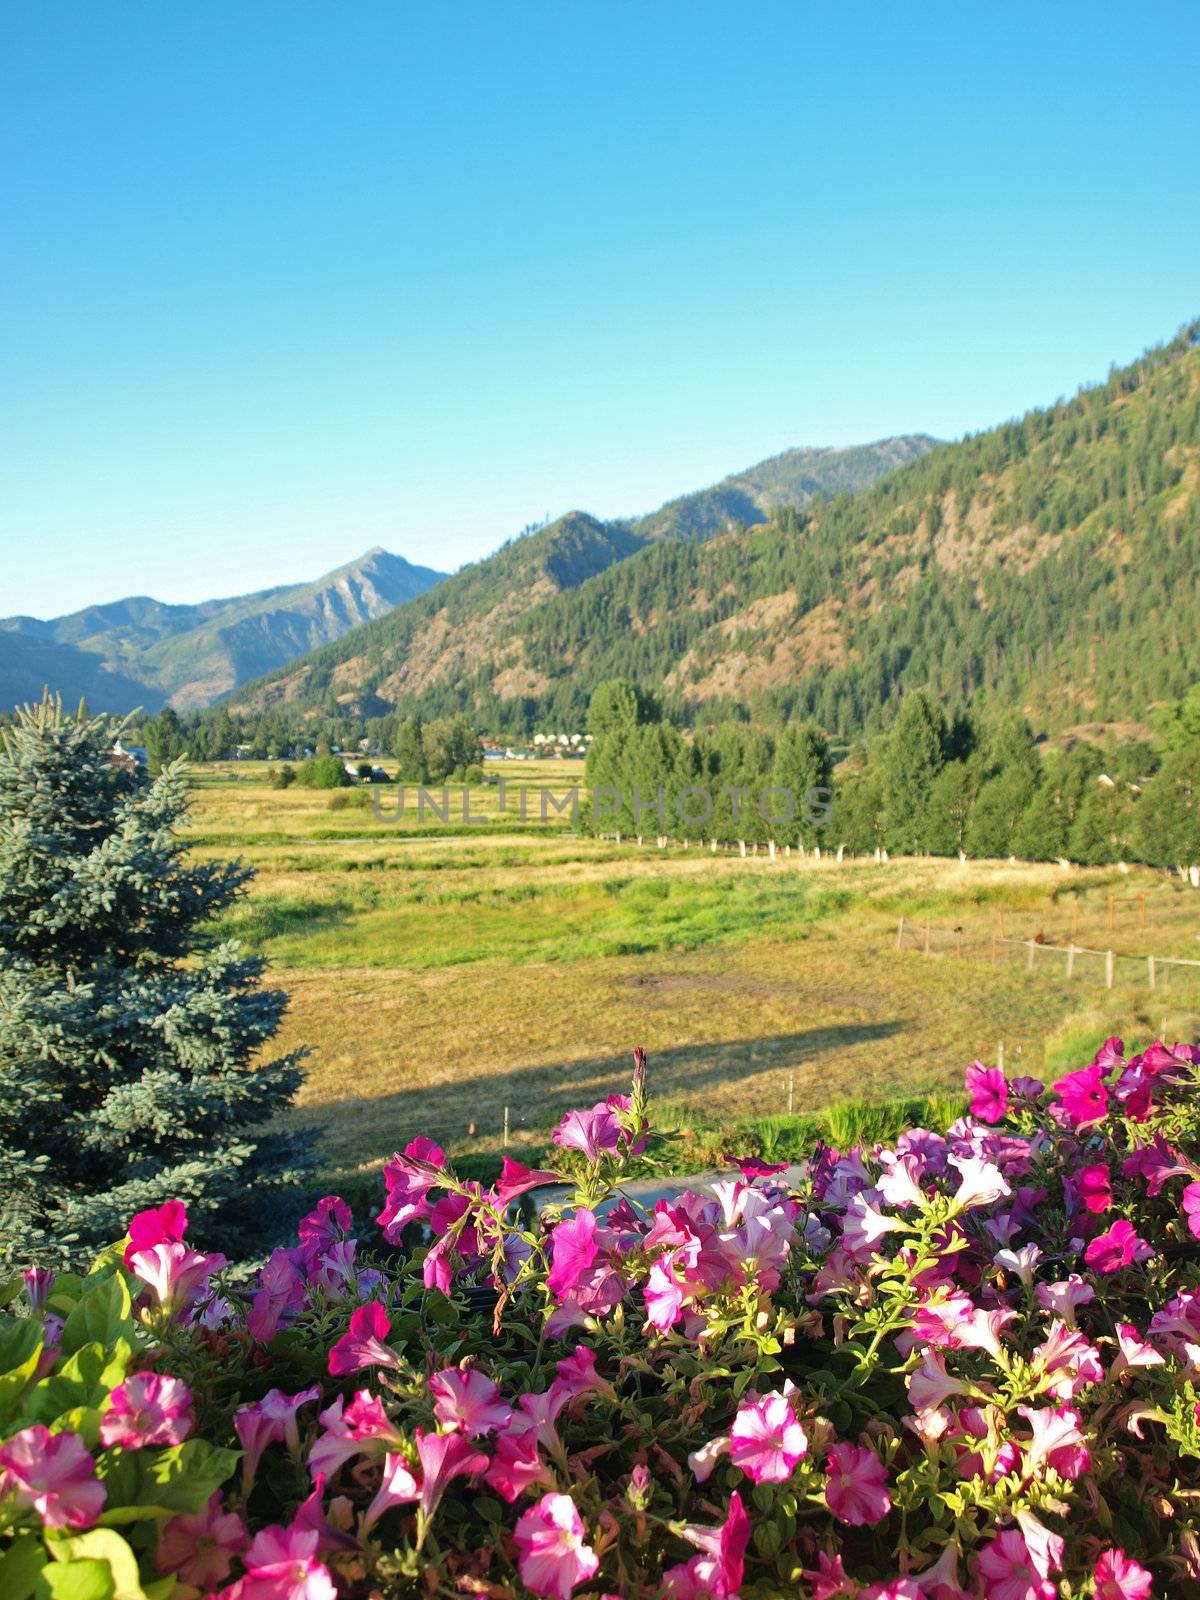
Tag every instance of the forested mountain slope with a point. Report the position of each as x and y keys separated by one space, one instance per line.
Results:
x=1051 y=563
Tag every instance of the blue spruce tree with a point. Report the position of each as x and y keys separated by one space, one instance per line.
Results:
x=128 y=1034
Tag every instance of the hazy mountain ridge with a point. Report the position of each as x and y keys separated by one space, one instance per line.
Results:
x=792 y=478
x=145 y=652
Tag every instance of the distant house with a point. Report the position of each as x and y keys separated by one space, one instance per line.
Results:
x=129 y=756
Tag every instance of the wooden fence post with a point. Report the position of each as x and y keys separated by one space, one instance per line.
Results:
x=900 y=934
x=1000 y=1055
x=1108 y=969
x=1151 y=974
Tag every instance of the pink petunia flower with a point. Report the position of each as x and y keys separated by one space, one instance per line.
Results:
x=362 y=1344
x=38 y=1283
x=576 y=1375
x=360 y=1428
x=147 y=1409
x=176 y=1274
x=981 y=1182
x=1119 y=1578
x=716 y=1573
x=516 y=1465
x=554 y=1556
x=1008 y=1571
x=1119 y=1247
x=444 y=1457
x=199 y=1547
x=766 y=1441
x=1062 y=1298
x=55 y=1474
x=929 y=1384
x=468 y=1402
x=1157 y=1163
x=988 y=1089
x=829 y=1578
x=856 y=1485
x=399 y=1486
x=1056 y=1442
x=269 y=1420
x=282 y=1564
x=1191 y=1208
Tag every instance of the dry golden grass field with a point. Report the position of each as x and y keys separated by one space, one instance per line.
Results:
x=439 y=975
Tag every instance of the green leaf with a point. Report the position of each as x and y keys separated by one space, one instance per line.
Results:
x=20 y=1347
x=100 y=1547
x=19 y=1567
x=76 y=1580
x=10 y=1288
x=101 y=1317
x=144 y=1484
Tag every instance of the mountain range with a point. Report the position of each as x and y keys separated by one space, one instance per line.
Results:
x=142 y=652
x=1051 y=563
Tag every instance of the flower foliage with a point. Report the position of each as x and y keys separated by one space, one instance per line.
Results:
x=964 y=1365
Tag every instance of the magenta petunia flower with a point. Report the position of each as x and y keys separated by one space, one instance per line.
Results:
x=766 y=1441
x=1157 y=1163
x=1191 y=1208
x=716 y=1573
x=1119 y=1578
x=199 y=1547
x=269 y=1420
x=467 y=1401
x=38 y=1283
x=325 y=1226
x=55 y=1474
x=165 y=1224
x=517 y=1179
x=1083 y=1096
x=409 y=1178
x=593 y=1132
x=362 y=1344
x=148 y=1409
x=574 y=1247
x=988 y=1089
x=856 y=1485
x=1093 y=1185
x=1119 y=1247
x=554 y=1556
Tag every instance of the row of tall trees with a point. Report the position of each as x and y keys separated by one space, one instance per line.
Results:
x=935 y=785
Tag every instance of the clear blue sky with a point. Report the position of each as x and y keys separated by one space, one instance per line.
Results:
x=281 y=281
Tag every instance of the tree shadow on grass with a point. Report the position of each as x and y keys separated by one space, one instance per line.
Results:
x=539 y=1095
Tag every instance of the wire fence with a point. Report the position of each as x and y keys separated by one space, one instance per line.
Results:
x=1071 y=960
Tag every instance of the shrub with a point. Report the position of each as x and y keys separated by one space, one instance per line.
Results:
x=323 y=772
x=284 y=778
x=959 y=1364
